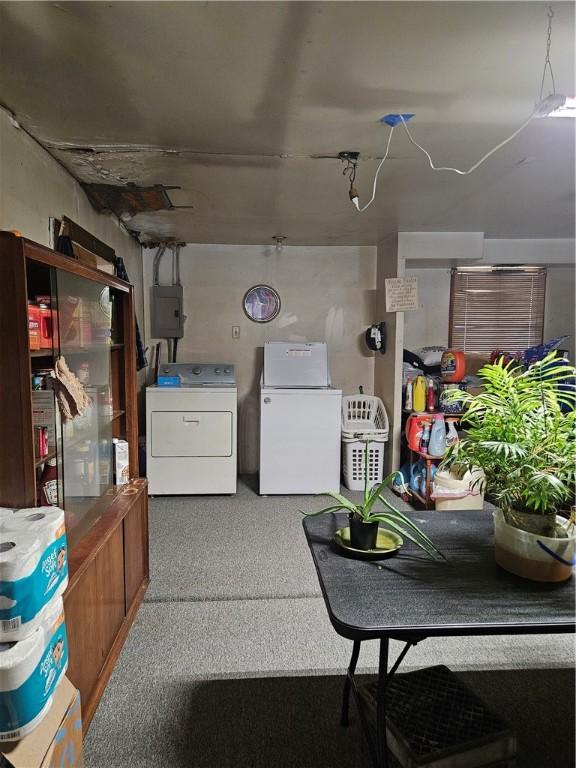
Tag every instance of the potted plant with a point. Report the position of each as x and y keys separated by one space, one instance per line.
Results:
x=365 y=517
x=521 y=430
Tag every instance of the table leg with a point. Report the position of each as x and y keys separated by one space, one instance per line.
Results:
x=347 y=683
x=428 y=484
x=381 y=736
x=376 y=740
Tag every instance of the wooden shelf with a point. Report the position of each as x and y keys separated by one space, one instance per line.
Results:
x=446 y=414
x=426 y=500
x=50 y=455
x=110 y=417
x=426 y=456
x=107 y=418
x=72 y=442
x=418 y=496
x=91 y=348
x=77 y=350
x=108 y=535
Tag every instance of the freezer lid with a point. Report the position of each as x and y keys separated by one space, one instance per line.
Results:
x=298 y=391
x=296 y=364
x=214 y=389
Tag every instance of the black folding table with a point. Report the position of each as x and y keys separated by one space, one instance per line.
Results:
x=411 y=597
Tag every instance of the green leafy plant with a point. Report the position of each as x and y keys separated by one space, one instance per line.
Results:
x=367 y=511
x=521 y=430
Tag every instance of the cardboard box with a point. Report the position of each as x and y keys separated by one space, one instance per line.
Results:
x=84 y=256
x=121 y=462
x=44 y=413
x=457 y=505
x=474 y=389
x=75 y=322
x=91 y=259
x=56 y=742
x=475 y=361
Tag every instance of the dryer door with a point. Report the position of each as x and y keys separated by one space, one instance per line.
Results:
x=191 y=433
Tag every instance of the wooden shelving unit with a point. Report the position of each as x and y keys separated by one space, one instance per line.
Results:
x=426 y=500
x=107 y=525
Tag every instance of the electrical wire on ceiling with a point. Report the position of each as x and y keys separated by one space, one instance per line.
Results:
x=544 y=107
x=353 y=192
x=482 y=159
x=156 y=263
x=350 y=169
x=175 y=248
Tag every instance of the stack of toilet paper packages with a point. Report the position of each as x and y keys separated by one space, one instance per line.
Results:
x=33 y=646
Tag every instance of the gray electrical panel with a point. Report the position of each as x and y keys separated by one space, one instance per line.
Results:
x=167 y=318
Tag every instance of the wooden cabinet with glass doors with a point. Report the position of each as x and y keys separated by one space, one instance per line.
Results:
x=55 y=311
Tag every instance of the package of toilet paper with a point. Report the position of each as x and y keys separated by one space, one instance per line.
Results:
x=33 y=568
x=30 y=670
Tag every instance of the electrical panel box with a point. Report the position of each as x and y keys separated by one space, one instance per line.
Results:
x=167 y=318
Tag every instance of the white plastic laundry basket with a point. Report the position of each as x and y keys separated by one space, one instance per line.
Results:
x=364 y=413
x=364 y=428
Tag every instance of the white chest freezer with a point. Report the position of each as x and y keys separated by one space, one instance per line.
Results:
x=300 y=417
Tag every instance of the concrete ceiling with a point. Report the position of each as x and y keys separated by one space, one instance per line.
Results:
x=234 y=102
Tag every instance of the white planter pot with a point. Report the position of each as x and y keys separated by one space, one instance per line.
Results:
x=534 y=557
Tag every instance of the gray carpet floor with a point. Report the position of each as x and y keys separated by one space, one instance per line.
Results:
x=232 y=660
x=292 y=722
x=230 y=548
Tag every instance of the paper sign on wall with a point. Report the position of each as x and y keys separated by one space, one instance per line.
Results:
x=401 y=294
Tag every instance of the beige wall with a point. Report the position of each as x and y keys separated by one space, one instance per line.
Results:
x=559 y=317
x=34 y=187
x=428 y=325
x=327 y=294
x=388 y=366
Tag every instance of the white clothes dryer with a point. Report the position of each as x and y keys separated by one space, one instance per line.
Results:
x=191 y=431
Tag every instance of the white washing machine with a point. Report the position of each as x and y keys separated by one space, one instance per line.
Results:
x=300 y=420
x=191 y=431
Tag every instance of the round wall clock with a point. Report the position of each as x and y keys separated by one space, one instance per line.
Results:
x=261 y=303
x=106 y=302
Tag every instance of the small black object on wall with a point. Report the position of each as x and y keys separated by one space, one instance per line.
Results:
x=376 y=337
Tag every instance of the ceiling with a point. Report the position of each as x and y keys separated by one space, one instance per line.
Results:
x=233 y=102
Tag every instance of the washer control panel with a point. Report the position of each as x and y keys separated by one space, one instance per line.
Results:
x=201 y=374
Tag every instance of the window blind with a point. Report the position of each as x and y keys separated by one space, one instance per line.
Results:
x=496 y=308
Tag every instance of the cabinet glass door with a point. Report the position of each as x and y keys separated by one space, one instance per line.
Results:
x=85 y=344
x=43 y=348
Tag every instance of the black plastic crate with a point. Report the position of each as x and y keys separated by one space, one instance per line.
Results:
x=434 y=720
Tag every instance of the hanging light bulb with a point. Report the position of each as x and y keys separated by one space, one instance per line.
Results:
x=279 y=240
x=353 y=194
